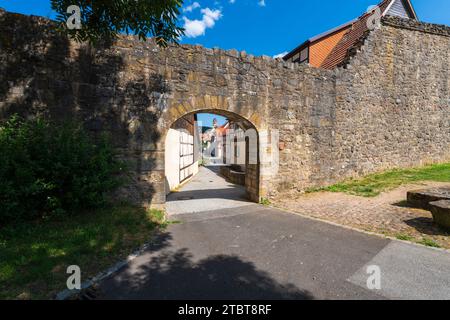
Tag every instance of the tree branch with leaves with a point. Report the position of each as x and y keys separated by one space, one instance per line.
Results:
x=106 y=19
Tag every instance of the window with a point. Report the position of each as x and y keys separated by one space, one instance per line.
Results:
x=301 y=57
x=304 y=55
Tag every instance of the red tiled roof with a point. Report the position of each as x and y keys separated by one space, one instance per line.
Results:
x=318 y=38
x=222 y=130
x=354 y=35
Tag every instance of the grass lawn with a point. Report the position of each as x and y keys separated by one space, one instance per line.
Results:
x=34 y=256
x=374 y=184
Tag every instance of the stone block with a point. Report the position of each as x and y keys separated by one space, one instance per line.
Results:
x=441 y=213
x=233 y=176
x=422 y=198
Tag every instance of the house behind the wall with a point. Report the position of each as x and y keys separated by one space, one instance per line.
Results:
x=330 y=49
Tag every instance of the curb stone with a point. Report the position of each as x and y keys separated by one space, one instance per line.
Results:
x=68 y=294
x=359 y=230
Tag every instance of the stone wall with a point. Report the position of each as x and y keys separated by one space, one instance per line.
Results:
x=388 y=108
x=393 y=100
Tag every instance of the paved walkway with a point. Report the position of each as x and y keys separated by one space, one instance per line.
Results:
x=206 y=191
x=228 y=248
x=255 y=252
x=386 y=214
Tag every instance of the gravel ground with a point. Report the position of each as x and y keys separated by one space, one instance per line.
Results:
x=386 y=214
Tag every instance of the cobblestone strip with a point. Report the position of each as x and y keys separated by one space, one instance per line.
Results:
x=386 y=214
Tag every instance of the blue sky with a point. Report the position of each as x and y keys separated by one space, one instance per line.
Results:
x=206 y=119
x=260 y=27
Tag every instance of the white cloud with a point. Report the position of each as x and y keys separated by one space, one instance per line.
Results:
x=192 y=7
x=261 y=3
x=281 y=55
x=193 y=28
x=196 y=28
x=211 y=16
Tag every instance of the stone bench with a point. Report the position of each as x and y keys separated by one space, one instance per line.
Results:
x=232 y=176
x=422 y=198
x=441 y=213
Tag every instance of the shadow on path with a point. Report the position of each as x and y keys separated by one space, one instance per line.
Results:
x=175 y=275
x=231 y=193
x=207 y=191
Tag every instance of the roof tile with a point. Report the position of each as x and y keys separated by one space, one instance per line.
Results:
x=354 y=36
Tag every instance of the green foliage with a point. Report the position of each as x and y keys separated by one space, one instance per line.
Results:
x=404 y=237
x=429 y=243
x=48 y=169
x=374 y=184
x=105 y=19
x=158 y=216
x=265 y=202
x=423 y=241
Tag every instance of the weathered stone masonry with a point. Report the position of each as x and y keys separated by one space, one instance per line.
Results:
x=390 y=107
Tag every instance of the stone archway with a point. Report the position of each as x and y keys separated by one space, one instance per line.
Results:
x=249 y=139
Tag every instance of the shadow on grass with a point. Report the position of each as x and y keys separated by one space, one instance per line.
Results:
x=168 y=274
x=424 y=225
x=35 y=256
x=427 y=226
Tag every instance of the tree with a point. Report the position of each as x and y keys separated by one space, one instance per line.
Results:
x=105 y=19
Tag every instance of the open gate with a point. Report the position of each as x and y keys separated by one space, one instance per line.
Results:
x=186 y=155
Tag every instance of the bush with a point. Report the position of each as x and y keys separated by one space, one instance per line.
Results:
x=48 y=169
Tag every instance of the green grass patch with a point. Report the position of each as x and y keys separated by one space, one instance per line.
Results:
x=429 y=243
x=265 y=202
x=404 y=237
x=34 y=256
x=372 y=185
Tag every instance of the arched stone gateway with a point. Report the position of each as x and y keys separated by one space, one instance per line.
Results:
x=247 y=134
x=389 y=107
